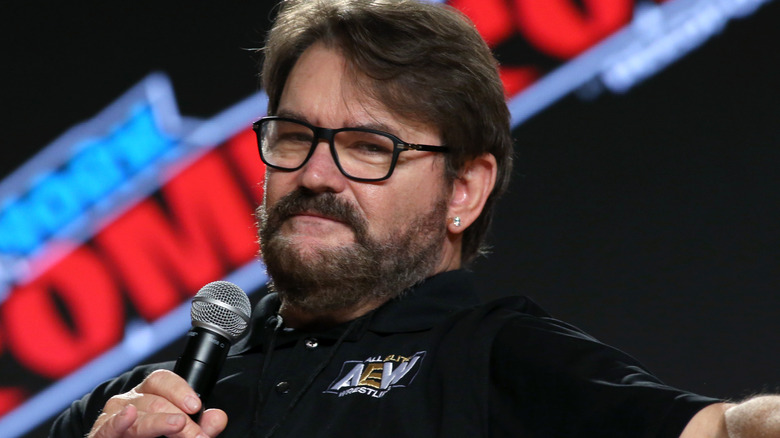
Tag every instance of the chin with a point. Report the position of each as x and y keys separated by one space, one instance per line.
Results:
x=314 y=248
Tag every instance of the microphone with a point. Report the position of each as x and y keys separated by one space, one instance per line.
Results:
x=220 y=316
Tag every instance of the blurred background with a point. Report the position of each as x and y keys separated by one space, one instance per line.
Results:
x=643 y=206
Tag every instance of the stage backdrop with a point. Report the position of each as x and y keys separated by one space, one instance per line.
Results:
x=643 y=206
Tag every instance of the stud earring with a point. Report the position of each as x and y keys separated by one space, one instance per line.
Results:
x=456 y=221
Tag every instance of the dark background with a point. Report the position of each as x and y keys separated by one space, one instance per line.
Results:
x=648 y=219
x=651 y=219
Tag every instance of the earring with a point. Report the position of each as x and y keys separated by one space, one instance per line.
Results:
x=456 y=221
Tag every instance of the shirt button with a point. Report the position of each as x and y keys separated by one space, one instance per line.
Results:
x=311 y=343
x=283 y=387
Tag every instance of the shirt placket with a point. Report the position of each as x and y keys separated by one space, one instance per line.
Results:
x=293 y=362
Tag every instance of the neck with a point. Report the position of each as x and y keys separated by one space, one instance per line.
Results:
x=303 y=319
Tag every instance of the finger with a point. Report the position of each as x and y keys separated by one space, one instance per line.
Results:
x=152 y=425
x=173 y=388
x=157 y=416
x=155 y=404
x=116 y=424
x=125 y=418
x=129 y=422
x=213 y=422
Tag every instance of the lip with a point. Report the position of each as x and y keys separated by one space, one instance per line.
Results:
x=308 y=214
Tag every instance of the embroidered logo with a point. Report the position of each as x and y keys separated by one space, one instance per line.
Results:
x=376 y=376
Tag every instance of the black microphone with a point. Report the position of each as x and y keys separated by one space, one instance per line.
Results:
x=220 y=316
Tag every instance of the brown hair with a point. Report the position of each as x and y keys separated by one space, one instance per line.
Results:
x=424 y=62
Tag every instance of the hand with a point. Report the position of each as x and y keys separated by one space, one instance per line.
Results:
x=756 y=417
x=158 y=406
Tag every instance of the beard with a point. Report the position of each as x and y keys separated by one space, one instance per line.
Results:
x=370 y=269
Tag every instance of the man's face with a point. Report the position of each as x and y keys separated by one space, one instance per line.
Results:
x=321 y=230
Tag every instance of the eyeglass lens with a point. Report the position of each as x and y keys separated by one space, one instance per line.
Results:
x=286 y=144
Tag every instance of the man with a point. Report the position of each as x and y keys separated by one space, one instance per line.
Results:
x=387 y=146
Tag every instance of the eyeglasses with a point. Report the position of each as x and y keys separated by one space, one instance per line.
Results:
x=361 y=154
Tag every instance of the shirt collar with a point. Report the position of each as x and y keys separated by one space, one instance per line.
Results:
x=417 y=309
x=424 y=305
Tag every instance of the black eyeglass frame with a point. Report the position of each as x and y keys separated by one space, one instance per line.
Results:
x=329 y=134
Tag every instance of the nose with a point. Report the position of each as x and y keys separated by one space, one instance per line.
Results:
x=320 y=173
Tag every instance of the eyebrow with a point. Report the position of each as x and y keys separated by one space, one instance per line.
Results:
x=375 y=126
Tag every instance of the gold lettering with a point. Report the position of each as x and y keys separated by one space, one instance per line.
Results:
x=397 y=358
x=372 y=374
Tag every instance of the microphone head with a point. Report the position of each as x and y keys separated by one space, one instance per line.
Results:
x=223 y=307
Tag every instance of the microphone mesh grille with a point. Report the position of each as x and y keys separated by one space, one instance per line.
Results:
x=227 y=320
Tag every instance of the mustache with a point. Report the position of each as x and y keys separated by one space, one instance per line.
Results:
x=302 y=200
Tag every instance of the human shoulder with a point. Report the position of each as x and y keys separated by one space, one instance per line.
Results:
x=567 y=381
x=516 y=317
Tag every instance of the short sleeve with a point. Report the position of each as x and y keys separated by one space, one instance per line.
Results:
x=549 y=379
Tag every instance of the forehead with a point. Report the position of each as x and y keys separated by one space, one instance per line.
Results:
x=325 y=91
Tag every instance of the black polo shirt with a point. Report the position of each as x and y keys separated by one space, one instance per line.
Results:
x=435 y=362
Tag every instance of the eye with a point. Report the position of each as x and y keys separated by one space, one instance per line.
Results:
x=294 y=137
x=363 y=143
x=371 y=148
x=288 y=136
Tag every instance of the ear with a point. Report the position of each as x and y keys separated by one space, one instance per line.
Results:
x=470 y=191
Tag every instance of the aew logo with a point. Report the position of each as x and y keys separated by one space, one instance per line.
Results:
x=375 y=376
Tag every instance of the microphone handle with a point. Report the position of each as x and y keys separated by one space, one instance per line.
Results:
x=201 y=362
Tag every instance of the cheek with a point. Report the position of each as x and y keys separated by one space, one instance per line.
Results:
x=277 y=184
x=389 y=209
x=378 y=204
